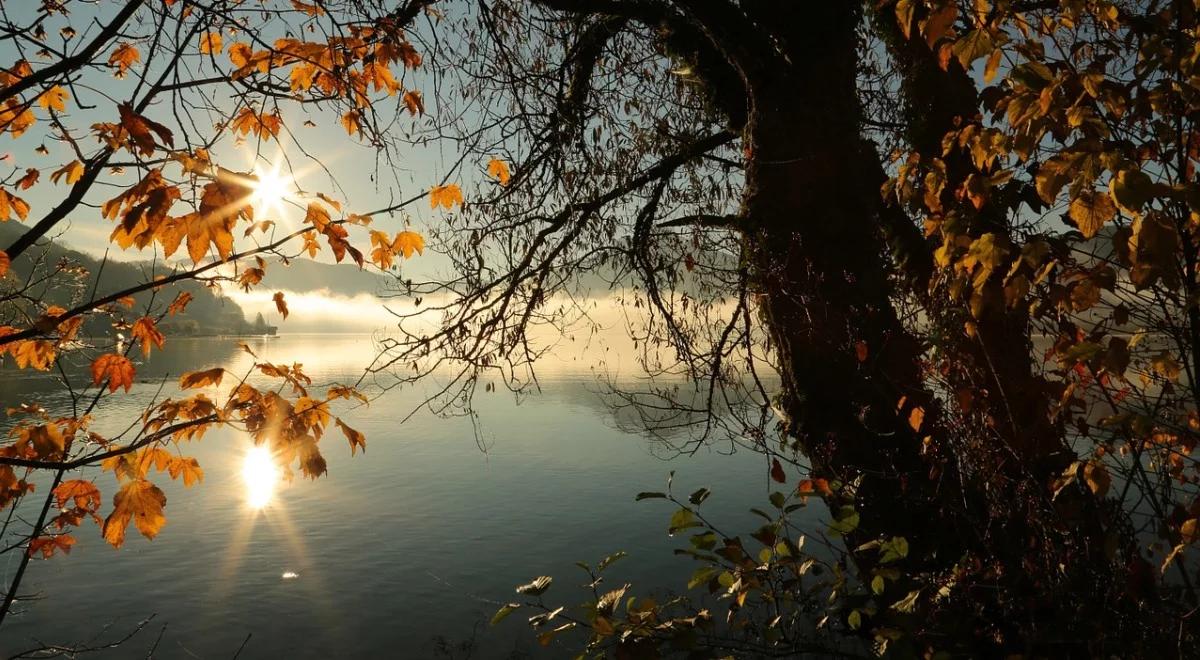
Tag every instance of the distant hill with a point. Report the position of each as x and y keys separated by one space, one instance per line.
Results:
x=67 y=277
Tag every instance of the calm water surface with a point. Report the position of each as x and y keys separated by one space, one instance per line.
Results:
x=395 y=553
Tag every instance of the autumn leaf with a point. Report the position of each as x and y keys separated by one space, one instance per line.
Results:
x=188 y=468
x=916 y=417
x=36 y=353
x=71 y=172
x=777 y=472
x=48 y=545
x=498 y=170
x=350 y=121
x=9 y=204
x=210 y=43
x=1090 y=211
x=407 y=242
x=193 y=379
x=180 y=303
x=445 y=196
x=54 y=99
x=264 y=125
x=311 y=10
x=412 y=101
x=140 y=502
x=146 y=332
x=5 y=262
x=124 y=57
x=280 y=304
x=81 y=492
x=31 y=177
x=116 y=369
x=356 y=438
x=143 y=130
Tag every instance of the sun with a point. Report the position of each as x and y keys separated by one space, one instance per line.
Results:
x=260 y=474
x=272 y=189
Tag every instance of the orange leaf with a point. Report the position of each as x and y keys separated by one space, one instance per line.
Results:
x=140 y=502
x=280 y=304
x=860 y=350
x=498 y=169
x=145 y=331
x=48 y=545
x=31 y=177
x=407 y=242
x=116 y=369
x=356 y=438
x=916 y=417
x=412 y=101
x=124 y=57
x=445 y=196
x=9 y=204
x=36 y=353
x=5 y=262
x=210 y=43
x=193 y=379
x=83 y=493
x=180 y=303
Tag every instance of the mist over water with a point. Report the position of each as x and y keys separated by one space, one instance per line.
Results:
x=398 y=553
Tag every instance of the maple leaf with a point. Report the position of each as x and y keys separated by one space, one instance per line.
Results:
x=311 y=10
x=280 y=304
x=356 y=438
x=31 y=177
x=83 y=493
x=193 y=379
x=414 y=103
x=350 y=121
x=142 y=130
x=5 y=262
x=210 y=43
x=140 y=502
x=188 y=468
x=72 y=171
x=9 y=204
x=47 y=439
x=407 y=242
x=124 y=57
x=116 y=369
x=54 y=99
x=498 y=170
x=146 y=332
x=264 y=125
x=446 y=196
x=48 y=545
x=36 y=353
x=180 y=303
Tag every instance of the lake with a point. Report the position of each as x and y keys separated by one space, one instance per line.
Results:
x=404 y=552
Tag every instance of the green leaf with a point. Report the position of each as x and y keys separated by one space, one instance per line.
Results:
x=699 y=496
x=649 y=495
x=877 y=584
x=537 y=587
x=845 y=522
x=702 y=576
x=778 y=499
x=682 y=519
x=855 y=620
x=504 y=612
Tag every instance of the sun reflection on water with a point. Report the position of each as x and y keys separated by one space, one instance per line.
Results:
x=260 y=474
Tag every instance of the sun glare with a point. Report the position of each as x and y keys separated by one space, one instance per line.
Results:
x=260 y=474
x=272 y=189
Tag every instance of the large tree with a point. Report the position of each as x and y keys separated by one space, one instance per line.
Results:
x=960 y=235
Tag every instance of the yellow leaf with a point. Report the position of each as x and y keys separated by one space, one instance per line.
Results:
x=188 y=468
x=193 y=379
x=72 y=172
x=406 y=242
x=1090 y=211
x=356 y=438
x=124 y=57
x=54 y=99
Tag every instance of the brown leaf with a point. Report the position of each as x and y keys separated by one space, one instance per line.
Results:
x=280 y=304
x=194 y=379
x=356 y=438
